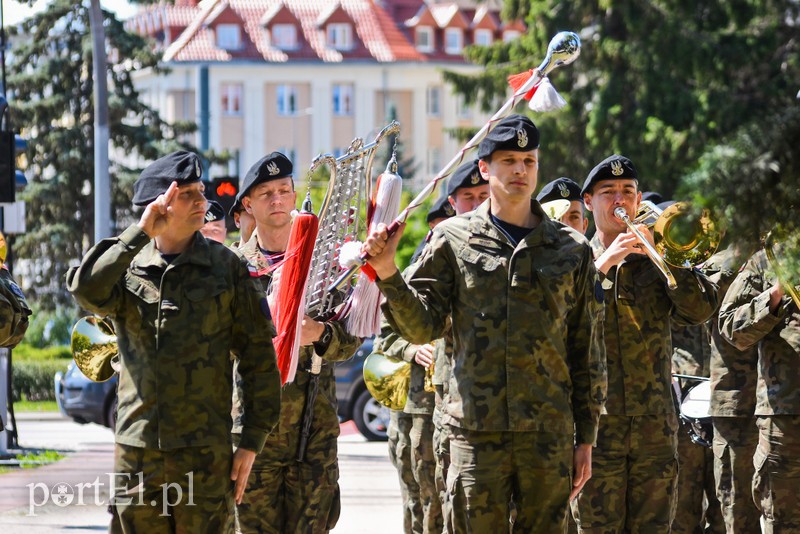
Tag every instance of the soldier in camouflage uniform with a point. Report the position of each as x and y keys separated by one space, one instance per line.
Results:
x=757 y=312
x=524 y=395
x=562 y=189
x=243 y=221
x=180 y=305
x=733 y=402
x=14 y=311
x=634 y=466
x=399 y=442
x=283 y=494
x=691 y=356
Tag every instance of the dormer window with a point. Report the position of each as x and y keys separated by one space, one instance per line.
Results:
x=284 y=36
x=453 y=40
x=229 y=36
x=510 y=35
x=424 y=38
x=483 y=37
x=340 y=36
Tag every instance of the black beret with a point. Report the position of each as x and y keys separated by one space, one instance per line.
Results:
x=236 y=208
x=270 y=167
x=441 y=209
x=515 y=132
x=467 y=175
x=614 y=167
x=215 y=212
x=181 y=166
x=560 y=188
x=653 y=197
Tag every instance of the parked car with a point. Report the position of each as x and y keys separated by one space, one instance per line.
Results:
x=95 y=402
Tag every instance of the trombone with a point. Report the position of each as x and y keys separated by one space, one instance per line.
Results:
x=771 y=245
x=682 y=238
x=94 y=348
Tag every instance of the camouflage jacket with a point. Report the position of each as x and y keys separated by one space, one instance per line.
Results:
x=640 y=311
x=745 y=321
x=527 y=342
x=691 y=349
x=177 y=325
x=14 y=311
x=293 y=394
x=733 y=372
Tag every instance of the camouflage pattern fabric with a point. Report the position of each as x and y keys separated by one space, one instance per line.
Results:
x=735 y=441
x=634 y=466
x=176 y=326
x=508 y=373
x=399 y=442
x=14 y=311
x=746 y=321
x=484 y=467
x=441 y=450
x=283 y=493
x=181 y=490
x=697 y=510
x=634 y=476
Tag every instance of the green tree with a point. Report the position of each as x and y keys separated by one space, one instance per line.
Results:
x=50 y=85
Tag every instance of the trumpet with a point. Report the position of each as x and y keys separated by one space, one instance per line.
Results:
x=387 y=379
x=682 y=239
x=94 y=348
x=771 y=246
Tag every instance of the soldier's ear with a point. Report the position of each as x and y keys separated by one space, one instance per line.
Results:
x=247 y=205
x=587 y=201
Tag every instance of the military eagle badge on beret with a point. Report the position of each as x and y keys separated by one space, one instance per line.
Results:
x=616 y=168
x=562 y=187
x=273 y=169
x=522 y=138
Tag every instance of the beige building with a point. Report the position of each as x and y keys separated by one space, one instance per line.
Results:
x=307 y=76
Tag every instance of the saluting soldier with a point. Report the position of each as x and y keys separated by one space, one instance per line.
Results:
x=180 y=305
x=757 y=312
x=561 y=190
x=524 y=394
x=634 y=466
x=285 y=495
x=466 y=190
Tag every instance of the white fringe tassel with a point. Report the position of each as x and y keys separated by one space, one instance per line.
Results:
x=364 y=319
x=546 y=98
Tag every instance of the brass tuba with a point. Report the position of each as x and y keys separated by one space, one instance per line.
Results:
x=94 y=348
x=682 y=238
x=772 y=248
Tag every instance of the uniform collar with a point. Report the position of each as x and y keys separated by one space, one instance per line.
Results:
x=198 y=253
x=481 y=225
x=252 y=252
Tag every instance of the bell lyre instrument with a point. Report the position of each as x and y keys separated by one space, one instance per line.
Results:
x=563 y=49
x=682 y=238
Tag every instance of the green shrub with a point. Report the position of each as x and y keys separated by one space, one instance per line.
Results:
x=27 y=352
x=50 y=327
x=34 y=379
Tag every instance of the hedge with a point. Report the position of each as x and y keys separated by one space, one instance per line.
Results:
x=27 y=352
x=34 y=378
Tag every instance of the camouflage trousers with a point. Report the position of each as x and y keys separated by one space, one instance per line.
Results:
x=423 y=463
x=776 y=483
x=441 y=447
x=399 y=433
x=489 y=470
x=182 y=490
x=735 y=441
x=696 y=486
x=634 y=476
x=284 y=495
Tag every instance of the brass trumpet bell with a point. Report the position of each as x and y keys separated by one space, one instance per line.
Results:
x=778 y=249
x=555 y=209
x=94 y=348
x=387 y=380
x=686 y=237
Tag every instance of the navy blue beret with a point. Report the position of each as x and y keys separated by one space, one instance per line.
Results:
x=236 y=208
x=441 y=209
x=515 y=132
x=215 y=212
x=614 y=167
x=467 y=175
x=560 y=188
x=270 y=167
x=181 y=166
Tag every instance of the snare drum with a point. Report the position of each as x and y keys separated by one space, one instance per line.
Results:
x=695 y=408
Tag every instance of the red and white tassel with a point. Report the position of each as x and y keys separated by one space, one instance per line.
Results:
x=543 y=97
x=289 y=296
x=364 y=319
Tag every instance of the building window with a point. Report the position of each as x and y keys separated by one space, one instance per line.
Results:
x=342 y=99
x=453 y=40
x=510 y=35
x=228 y=36
x=434 y=101
x=463 y=109
x=340 y=36
x=434 y=160
x=287 y=100
x=424 y=38
x=284 y=36
x=231 y=99
x=483 y=37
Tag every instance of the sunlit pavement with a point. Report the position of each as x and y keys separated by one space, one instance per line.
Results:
x=70 y=495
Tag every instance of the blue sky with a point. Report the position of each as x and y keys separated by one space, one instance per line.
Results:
x=14 y=11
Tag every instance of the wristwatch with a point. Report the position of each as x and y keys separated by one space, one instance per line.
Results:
x=321 y=345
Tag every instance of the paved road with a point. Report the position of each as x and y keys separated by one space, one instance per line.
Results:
x=29 y=499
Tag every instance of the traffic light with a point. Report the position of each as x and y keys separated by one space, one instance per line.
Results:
x=224 y=190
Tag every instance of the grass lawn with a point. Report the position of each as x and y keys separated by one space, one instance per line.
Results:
x=35 y=406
